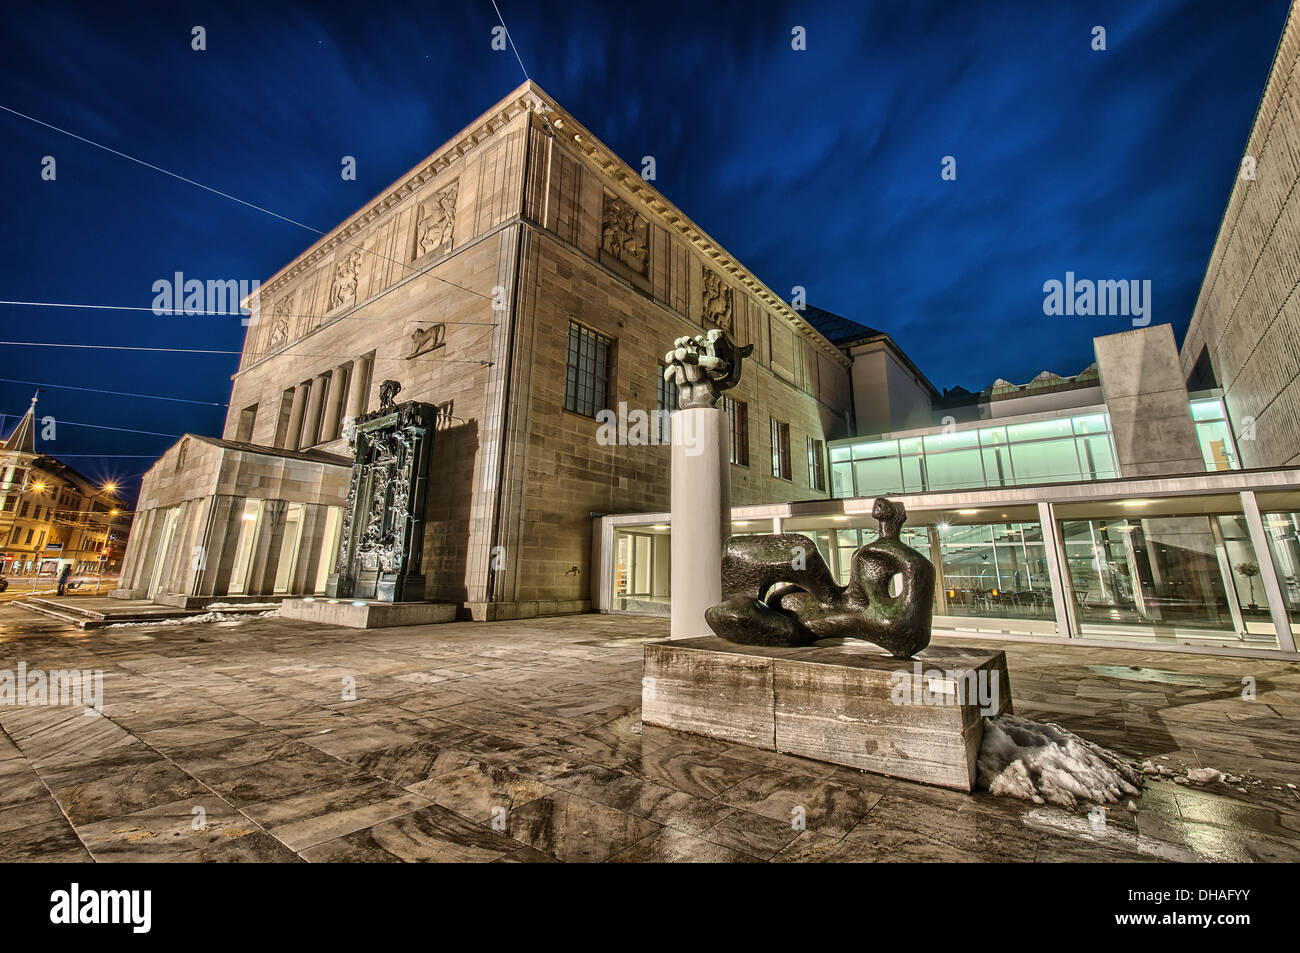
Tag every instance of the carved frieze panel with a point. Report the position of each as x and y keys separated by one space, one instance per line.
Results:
x=717 y=301
x=343 y=287
x=625 y=234
x=277 y=336
x=426 y=339
x=434 y=222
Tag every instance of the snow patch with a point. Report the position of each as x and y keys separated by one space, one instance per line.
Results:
x=1046 y=764
x=242 y=605
x=205 y=617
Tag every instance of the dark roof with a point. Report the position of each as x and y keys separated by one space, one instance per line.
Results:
x=312 y=456
x=836 y=328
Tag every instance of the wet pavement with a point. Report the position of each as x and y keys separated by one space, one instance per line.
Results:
x=268 y=739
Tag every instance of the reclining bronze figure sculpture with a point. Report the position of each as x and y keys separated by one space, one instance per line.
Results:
x=777 y=590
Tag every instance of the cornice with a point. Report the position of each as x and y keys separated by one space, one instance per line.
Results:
x=669 y=215
x=524 y=99
x=529 y=97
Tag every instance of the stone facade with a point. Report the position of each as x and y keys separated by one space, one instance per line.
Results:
x=460 y=282
x=1245 y=330
x=189 y=539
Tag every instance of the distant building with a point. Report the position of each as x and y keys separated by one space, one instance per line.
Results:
x=51 y=516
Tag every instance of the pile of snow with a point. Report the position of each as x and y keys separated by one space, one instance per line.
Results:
x=1185 y=775
x=205 y=617
x=1048 y=765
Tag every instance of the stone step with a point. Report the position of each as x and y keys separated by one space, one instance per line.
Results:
x=91 y=619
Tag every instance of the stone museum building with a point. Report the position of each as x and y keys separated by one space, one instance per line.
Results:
x=522 y=279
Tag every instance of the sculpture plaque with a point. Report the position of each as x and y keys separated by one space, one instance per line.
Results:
x=777 y=590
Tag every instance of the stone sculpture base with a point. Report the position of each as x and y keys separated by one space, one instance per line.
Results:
x=367 y=614
x=847 y=704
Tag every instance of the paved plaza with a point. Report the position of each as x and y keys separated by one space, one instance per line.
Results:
x=271 y=740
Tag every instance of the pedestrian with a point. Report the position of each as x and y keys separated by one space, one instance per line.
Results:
x=63 y=577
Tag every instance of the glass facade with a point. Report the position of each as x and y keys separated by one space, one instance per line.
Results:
x=1061 y=450
x=1185 y=579
x=1172 y=571
x=1283 y=543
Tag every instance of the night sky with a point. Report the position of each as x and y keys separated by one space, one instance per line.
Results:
x=818 y=168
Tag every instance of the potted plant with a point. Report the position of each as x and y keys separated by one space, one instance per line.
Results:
x=1249 y=571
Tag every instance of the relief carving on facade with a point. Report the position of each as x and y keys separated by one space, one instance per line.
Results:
x=347 y=272
x=278 y=334
x=424 y=340
x=625 y=234
x=717 y=301
x=435 y=220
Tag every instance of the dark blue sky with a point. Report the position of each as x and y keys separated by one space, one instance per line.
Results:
x=817 y=168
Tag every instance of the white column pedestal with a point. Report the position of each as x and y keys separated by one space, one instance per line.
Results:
x=701 y=515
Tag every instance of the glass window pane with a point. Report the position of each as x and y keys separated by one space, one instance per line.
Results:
x=1096 y=457
x=913 y=475
x=1216 y=445
x=1040 y=429
x=874 y=477
x=1046 y=462
x=842 y=479
x=878 y=448
x=951 y=441
x=1211 y=409
x=1092 y=423
x=993 y=435
x=997 y=467
x=953 y=470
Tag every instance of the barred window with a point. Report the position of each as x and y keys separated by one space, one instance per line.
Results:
x=738 y=429
x=668 y=391
x=586 y=383
x=780 y=450
x=816 y=465
x=668 y=394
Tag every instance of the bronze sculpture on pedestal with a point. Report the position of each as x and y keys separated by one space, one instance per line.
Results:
x=777 y=590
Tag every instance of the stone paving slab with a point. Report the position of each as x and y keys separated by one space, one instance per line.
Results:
x=275 y=740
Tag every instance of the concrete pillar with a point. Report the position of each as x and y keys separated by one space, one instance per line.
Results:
x=359 y=386
x=1267 y=571
x=333 y=405
x=936 y=558
x=701 y=516
x=295 y=416
x=1057 y=570
x=315 y=404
